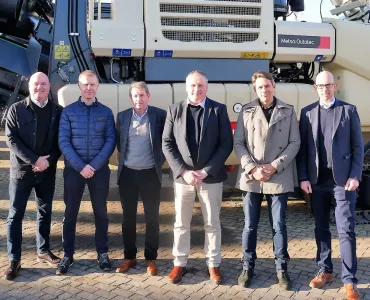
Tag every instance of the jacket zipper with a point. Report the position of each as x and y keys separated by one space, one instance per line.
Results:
x=88 y=132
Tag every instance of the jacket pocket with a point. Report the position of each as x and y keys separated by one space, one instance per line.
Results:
x=100 y=123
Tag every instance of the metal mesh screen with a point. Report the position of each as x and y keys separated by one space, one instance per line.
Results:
x=206 y=9
x=214 y=37
x=210 y=23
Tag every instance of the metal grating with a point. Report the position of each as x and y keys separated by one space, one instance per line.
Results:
x=214 y=37
x=187 y=22
x=206 y=9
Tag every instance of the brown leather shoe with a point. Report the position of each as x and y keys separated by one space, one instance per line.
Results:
x=176 y=274
x=215 y=275
x=352 y=291
x=151 y=267
x=126 y=265
x=12 y=272
x=49 y=258
x=320 y=280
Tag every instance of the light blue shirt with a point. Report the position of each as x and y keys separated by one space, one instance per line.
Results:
x=136 y=115
x=327 y=106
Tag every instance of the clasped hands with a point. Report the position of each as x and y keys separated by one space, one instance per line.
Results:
x=87 y=172
x=194 y=177
x=41 y=164
x=263 y=172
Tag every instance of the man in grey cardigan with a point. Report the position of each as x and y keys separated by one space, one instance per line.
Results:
x=266 y=141
x=139 y=142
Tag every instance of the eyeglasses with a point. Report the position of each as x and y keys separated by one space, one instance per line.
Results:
x=327 y=85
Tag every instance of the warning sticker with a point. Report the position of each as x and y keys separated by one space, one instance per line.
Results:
x=254 y=55
x=62 y=52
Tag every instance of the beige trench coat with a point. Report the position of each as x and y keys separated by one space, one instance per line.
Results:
x=276 y=143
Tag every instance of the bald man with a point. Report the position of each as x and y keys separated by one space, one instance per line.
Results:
x=32 y=135
x=329 y=168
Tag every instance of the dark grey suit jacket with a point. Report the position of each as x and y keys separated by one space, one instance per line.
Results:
x=347 y=147
x=215 y=144
x=157 y=118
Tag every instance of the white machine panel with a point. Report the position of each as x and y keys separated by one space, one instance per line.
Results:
x=209 y=29
x=123 y=34
x=304 y=42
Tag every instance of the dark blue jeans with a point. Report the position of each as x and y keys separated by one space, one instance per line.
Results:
x=19 y=192
x=277 y=206
x=344 y=203
x=74 y=185
x=131 y=184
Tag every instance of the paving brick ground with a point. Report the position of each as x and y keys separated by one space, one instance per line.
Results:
x=86 y=281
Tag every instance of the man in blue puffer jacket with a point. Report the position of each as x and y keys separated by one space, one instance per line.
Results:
x=87 y=140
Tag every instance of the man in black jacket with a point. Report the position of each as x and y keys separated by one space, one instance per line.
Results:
x=197 y=140
x=32 y=135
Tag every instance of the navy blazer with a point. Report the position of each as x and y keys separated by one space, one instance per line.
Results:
x=215 y=143
x=347 y=147
x=156 y=118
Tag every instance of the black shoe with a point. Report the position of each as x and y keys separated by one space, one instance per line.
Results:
x=64 y=265
x=284 y=280
x=49 y=258
x=13 y=270
x=245 y=278
x=104 y=262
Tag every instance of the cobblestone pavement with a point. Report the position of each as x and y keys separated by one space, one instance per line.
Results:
x=86 y=281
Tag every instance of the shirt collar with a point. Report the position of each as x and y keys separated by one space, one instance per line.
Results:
x=202 y=104
x=38 y=103
x=273 y=104
x=85 y=102
x=136 y=115
x=327 y=106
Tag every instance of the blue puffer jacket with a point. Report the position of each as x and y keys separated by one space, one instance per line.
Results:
x=86 y=135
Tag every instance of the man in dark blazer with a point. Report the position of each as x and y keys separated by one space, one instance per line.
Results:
x=197 y=140
x=32 y=136
x=139 y=142
x=329 y=166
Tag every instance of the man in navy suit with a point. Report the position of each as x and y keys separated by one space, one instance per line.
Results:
x=329 y=167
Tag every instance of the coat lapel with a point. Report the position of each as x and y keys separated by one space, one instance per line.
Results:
x=314 y=119
x=183 y=115
x=53 y=115
x=152 y=122
x=338 y=109
x=126 y=127
x=207 y=112
x=277 y=114
x=259 y=115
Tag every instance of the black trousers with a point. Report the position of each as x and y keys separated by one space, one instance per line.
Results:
x=146 y=183
x=74 y=185
x=19 y=192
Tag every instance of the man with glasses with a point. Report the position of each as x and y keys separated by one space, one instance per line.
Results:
x=329 y=167
x=87 y=139
x=31 y=133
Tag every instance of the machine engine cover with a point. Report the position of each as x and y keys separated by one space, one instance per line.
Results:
x=304 y=42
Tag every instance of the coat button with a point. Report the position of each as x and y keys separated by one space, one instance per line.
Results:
x=280 y=148
x=280 y=130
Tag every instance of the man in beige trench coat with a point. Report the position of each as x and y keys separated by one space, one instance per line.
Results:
x=266 y=141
